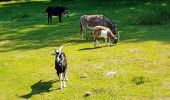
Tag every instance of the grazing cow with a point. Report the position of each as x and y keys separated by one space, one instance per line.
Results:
x=61 y=66
x=106 y=33
x=56 y=11
x=96 y=20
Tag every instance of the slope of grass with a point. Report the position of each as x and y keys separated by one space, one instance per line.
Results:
x=27 y=66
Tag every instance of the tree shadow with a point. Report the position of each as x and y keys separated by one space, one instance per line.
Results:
x=38 y=88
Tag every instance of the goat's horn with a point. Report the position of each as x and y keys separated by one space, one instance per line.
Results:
x=54 y=48
x=60 y=48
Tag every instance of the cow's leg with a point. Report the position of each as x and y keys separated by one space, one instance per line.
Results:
x=60 y=18
x=48 y=18
x=61 y=78
x=51 y=18
x=83 y=32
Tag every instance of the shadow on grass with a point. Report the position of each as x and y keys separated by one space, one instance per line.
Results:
x=38 y=88
x=91 y=48
x=31 y=31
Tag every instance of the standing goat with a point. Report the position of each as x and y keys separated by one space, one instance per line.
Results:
x=61 y=66
x=106 y=33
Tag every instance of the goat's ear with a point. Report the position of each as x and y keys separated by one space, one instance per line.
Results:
x=55 y=49
x=53 y=54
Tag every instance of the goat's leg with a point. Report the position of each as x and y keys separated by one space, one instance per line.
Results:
x=64 y=81
x=110 y=42
x=61 y=78
x=66 y=75
x=58 y=75
x=106 y=41
x=97 y=43
x=65 y=84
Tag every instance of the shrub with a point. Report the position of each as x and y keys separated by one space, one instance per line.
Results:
x=159 y=15
x=138 y=80
x=20 y=17
x=54 y=1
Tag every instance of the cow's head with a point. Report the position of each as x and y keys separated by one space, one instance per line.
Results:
x=65 y=11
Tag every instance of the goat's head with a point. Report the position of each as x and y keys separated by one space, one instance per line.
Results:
x=115 y=39
x=58 y=54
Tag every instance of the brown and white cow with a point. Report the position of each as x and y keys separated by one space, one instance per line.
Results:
x=106 y=33
x=96 y=20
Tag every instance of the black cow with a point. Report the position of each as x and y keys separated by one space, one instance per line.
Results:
x=61 y=66
x=56 y=11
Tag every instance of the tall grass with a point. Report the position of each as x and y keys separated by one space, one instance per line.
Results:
x=154 y=16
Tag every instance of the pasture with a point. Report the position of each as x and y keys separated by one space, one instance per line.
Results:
x=138 y=68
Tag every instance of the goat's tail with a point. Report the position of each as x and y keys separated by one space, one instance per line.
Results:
x=90 y=27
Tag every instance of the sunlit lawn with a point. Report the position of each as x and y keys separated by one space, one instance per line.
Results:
x=27 y=66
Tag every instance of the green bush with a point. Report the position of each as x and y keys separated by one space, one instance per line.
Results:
x=54 y=1
x=159 y=15
x=138 y=80
x=20 y=16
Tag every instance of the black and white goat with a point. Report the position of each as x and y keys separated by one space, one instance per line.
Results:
x=61 y=66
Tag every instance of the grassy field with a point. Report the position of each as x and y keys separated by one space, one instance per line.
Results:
x=138 y=68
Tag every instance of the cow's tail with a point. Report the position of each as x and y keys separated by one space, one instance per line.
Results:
x=81 y=29
x=118 y=36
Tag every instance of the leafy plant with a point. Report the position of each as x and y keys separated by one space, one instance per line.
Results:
x=20 y=16
x=138 y=80
x=155 y=16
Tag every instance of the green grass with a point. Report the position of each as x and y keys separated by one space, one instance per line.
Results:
x=27 y=41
